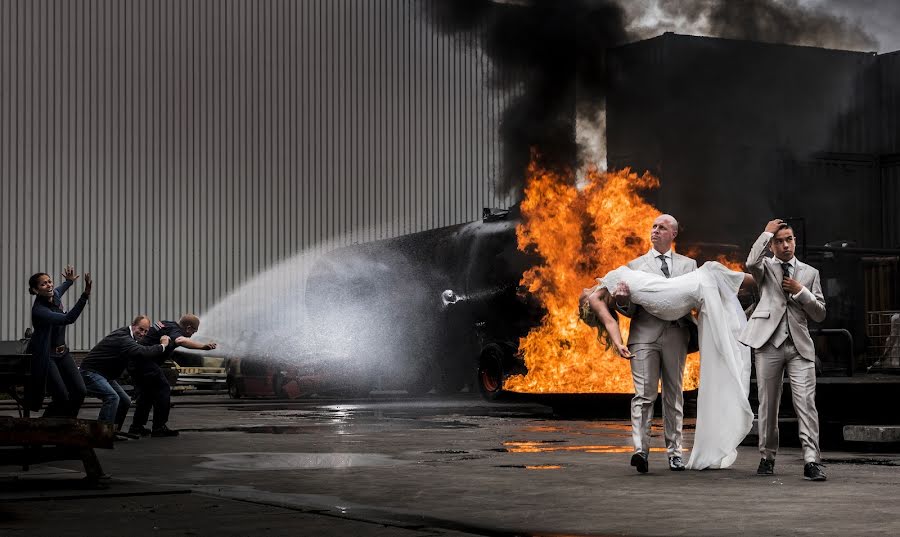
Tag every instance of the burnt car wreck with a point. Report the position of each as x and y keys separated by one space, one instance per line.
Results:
x=439 y=309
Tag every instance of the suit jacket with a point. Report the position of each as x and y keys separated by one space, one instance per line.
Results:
x=646 y=328
x=774 y=303
x=110 y=356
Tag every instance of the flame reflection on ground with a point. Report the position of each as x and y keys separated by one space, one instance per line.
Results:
x=543 y=447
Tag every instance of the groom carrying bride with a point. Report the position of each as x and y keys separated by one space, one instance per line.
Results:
x=790 y=294
x=659 y=348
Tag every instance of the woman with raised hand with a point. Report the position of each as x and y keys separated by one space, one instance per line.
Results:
x=53 y=369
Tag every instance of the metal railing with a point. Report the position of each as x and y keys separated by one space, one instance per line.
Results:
x=883 y=330
x=839 y=332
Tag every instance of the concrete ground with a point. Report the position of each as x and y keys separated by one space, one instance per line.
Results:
x=430 y=466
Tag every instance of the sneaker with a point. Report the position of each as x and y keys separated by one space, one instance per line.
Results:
x=639 y=461
x=139 y=431
x=766 y=467
x=813 y=471
x=163 y=432
x=122 y=435
x=676 y=464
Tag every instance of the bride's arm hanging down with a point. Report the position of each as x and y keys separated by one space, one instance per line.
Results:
x=597 y=300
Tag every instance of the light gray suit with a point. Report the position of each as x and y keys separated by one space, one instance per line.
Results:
x=778 y=330
x=660 y=349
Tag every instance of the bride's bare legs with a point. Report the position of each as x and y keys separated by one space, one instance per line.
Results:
x=599 y=302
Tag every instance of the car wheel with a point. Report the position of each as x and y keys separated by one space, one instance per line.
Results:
x=490 y=372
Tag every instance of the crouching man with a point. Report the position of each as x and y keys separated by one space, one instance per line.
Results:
x=106 y=362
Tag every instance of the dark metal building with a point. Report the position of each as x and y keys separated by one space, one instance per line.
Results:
x=740 y=132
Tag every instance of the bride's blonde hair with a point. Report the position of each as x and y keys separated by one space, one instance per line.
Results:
x=589 y=317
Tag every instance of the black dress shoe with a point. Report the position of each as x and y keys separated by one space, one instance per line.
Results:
x=639 y=461
x=766 y=467
x=139 y=431
x=676 y=464
x=163 y=432
x=813 y=471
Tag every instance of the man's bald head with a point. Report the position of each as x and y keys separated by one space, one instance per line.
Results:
x=663 y=232
x=189 y=324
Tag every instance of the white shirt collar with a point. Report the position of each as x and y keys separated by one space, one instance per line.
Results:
x=131 y=331
x=656 y=254
x=792 y=262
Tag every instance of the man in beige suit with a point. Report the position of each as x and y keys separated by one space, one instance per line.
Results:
x=790 y=295
x=659 y=349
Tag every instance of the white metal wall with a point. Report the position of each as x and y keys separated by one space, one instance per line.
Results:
x=175 y=148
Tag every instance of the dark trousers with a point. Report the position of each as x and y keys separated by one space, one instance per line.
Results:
x=65 y=386
x=154 y=393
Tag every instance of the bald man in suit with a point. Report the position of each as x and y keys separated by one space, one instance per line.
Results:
x=659 y=350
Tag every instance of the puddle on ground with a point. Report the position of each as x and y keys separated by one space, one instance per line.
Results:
x=532 y=466
x=548 y=447
x=605 y=429
x=261 y=429
x=864 y=461
x=295 y=461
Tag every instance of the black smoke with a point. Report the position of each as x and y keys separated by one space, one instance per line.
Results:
x=551 y=55
x=771 y=21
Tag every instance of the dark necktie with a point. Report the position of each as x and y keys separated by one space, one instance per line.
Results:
x=786 y=270
x=664 y=267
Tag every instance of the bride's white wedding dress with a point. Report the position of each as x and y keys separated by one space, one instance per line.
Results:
x=724 y=416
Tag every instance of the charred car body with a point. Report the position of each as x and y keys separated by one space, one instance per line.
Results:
x=438 y=309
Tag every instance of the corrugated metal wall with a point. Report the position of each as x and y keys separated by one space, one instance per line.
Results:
x=175 y=148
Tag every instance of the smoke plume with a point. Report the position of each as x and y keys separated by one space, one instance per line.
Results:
x=551 y=54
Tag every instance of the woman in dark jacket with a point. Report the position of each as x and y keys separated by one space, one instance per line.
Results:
x=52 y=367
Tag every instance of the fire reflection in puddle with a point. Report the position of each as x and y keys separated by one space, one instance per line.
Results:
x=544 y=447
x=295 y=461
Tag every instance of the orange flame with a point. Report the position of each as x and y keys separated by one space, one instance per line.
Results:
x=581 y=235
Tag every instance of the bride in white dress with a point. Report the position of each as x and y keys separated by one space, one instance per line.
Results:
x=724 y=416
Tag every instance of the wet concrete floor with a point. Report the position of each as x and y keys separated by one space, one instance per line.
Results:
x=430 y=466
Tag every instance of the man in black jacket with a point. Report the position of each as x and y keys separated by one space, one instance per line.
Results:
x=106 y=362
x=150 y=381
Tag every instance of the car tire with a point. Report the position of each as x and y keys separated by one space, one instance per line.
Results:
x=490 y=372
